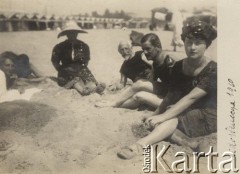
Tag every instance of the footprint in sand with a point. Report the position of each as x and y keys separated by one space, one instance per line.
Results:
x=4 y=145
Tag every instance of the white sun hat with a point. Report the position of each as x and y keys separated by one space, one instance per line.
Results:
x=71 y=26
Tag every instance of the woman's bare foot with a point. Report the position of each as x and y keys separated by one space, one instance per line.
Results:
x=204 y=146
x=193 y=145
x=129 y=152
x=181 y=139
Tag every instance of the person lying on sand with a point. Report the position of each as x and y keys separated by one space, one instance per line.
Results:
x=193 y=111
x=7 y=78
x=145 y=91
x=23 y=68
x=24 y=71
x=70 y=58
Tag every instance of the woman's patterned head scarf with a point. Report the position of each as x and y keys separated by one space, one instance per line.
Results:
x=199 y=29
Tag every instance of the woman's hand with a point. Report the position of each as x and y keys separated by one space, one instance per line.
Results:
x=154 y=120
x=145 y=118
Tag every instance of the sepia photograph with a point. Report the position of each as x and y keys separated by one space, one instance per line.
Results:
x=110 y=86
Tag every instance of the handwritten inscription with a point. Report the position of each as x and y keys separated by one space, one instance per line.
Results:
x=231 y=128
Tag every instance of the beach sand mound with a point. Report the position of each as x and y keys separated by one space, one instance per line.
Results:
x=59 y=131
x=24 y=116
x=69 y=134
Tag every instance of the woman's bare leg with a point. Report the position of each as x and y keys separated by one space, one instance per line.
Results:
x=142 y=98
x=130 y=104
x=126 y=94
x=148 y=99
x=140 y=85
x=160 y=132
x=91 y=86
x=79 y=86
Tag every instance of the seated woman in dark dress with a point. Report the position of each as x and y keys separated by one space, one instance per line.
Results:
x=71 y=58
x=192 y=94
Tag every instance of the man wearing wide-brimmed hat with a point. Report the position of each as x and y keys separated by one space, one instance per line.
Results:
x=70 y=58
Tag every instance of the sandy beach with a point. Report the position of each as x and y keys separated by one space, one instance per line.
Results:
x=59 y=131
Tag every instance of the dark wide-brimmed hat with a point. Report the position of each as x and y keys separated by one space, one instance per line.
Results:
x=196 y=28
x=71 y=26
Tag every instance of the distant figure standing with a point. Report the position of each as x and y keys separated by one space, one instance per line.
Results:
x=177 y=20
x=70 y=58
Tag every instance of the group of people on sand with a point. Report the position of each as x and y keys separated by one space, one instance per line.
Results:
x=70 y=58
x=183 y=93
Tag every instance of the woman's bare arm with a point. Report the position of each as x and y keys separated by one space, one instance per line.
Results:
x=182 y=104
x=35 y=71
